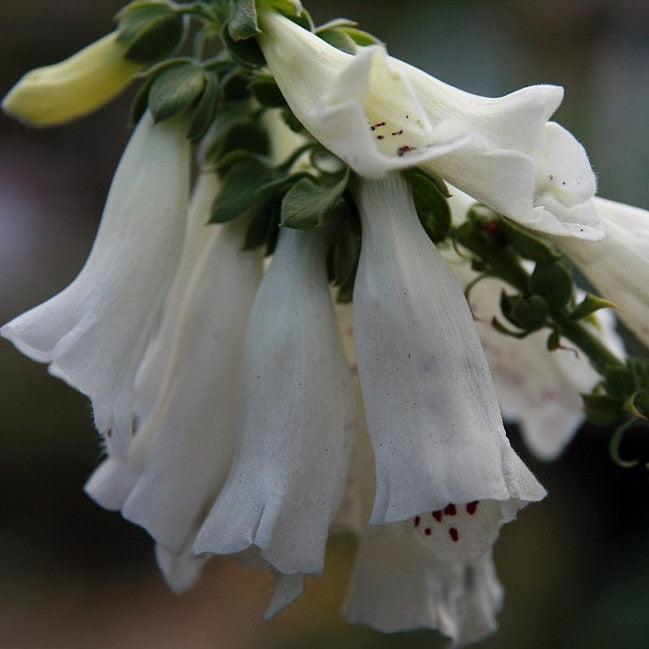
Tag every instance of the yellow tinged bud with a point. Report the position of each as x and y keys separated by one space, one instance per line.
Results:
x=75 y=87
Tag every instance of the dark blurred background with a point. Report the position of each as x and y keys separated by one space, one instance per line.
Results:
x=575 y=568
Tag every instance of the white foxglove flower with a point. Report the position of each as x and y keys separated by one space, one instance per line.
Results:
x=96 y=331
x=398 y=585
x=379 y=114
x=151 y=372
x=184 y=448
x=289 y=475
x=431 y=408
x=618 y=266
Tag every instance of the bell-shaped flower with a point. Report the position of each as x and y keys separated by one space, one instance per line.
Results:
x=151 y=372
x=380 y=114
x=431 y=407
x=75 y=87
x=618 y=266
x=398 y=584
x=184 y=448
x=95 y=332
x=289 y=475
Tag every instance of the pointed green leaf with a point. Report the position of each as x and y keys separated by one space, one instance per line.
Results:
x=336 y=23
x=308 y=205
x=245 y=52
x=361 y=38
x=243 y=20
x=266 y=92
x=554 y=282
x=527 y=244
x=432 y=208
x=175 y=89
x=602 y=410
x=205 y=110
x=238 y=192
x=339 y=39
x=589 y=305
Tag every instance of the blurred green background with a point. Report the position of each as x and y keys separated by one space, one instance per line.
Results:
x=575 y=568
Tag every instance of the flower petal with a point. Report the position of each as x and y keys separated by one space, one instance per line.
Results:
x=287 y=589
x=36 y=332
x=101 y=354
x=360 y=107
x=397 y=586
x=618 y=265
x=289 y=476
x=181 y=571
x=431 y=407
x=198 y=236
x=184 y=448
x=111 y=483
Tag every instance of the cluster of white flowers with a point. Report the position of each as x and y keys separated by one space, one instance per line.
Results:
x=245 y=414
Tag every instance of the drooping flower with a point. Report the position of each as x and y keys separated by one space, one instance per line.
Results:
x=379 y=114
x=431 y=408
x=618 y=265
x=75 y=87
x=288 y=478
x=95 y=332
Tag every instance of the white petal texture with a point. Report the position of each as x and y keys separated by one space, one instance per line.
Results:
x=289 y=476
x=618 y=266
x=198 y=236
x=183 y=450
x=96 y=331
x=431 y=407
x=398 y=586
x=380 y=114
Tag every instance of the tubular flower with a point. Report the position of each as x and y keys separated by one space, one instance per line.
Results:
x=75 y=87
x=95 y=332
x=432 y=413
x=288 y=478
x=618 y=266
x=379 y=114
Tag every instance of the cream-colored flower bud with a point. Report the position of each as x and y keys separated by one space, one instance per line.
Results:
x=75 y=87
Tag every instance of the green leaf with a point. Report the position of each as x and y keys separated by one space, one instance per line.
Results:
x=205 y=110
x=336 y=23
x=601 y=409
x=150 y=30
x=346 y=253
x=292 y=9
x=238 y=192
x=554 y=282
x=527 y=244
x=174 y=90
x=246 y=52
x=432 y=208
x=589 y=305
x=140 y=102
x=264 y=227
x=243 y=20
x=361 y=38
x=339 y=39
x=308 y=205
x=245 y=135
x=266 y=92
x=235 y=85
x=291 y=121
x=528 y=314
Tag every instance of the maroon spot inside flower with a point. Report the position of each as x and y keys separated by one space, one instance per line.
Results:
x=380 y=137
x=472 y=508
x=417 y=521
x=402 y=150
x=437 y=515
x=399 y=132
x=428 y=531
x=109 y=433
x=455 y=535
x=450 y=510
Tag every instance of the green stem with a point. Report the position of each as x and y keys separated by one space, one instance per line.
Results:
x=600 y=356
